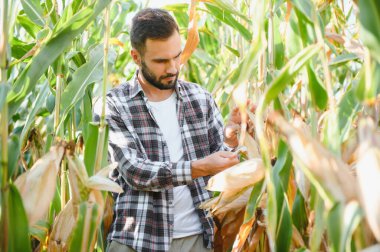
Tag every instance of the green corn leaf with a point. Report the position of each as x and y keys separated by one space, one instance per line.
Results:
x=18 y=237
x=233 y=51
x=288 y=72
x=85 y=75
x=13 y=154
x=28 y=25
x=280 y=221
x=34 y=11
x=91 y=140
x=352 y=216
x=369 y=17
x=319 y=224
x=4 y=89
x=253 y=201
x=60 y=40
x=299 y=214
x=347 y=112
x=305 y=7
x=343 y=59
x=86 y=226
x=227 y=18
x=334 y=227
x=318 y=93
x=37 y=104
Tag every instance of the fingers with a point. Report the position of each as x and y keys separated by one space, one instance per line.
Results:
x=227 y=154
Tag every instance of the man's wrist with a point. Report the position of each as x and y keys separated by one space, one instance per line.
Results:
x=198 y=168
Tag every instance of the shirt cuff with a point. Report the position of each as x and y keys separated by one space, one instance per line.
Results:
x=181 y=172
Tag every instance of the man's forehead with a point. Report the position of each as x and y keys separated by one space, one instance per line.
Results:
x=163 y=48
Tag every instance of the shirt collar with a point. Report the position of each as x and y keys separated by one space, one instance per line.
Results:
x=136 y=87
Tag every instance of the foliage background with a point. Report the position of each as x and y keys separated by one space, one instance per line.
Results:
x=310 y=172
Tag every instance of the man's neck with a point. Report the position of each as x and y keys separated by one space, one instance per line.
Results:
x=153 y=94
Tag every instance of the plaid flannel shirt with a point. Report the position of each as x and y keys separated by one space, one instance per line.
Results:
x=143 y=213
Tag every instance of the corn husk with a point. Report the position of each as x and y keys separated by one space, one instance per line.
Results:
x=37 y=186
x=63 y=226
x=238 y=176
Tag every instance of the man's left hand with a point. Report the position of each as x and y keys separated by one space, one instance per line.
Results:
x=233 y=125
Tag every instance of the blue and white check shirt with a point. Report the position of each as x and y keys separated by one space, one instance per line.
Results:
x=143 y=213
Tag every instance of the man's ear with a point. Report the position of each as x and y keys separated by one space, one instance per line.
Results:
x=136 y=56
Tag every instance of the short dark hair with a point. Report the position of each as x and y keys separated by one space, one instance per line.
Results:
x=149 y=23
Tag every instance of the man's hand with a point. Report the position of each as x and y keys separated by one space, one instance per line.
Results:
x=233 y=126
x=213 y=164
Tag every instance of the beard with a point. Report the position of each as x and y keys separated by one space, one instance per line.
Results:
x=152 y=79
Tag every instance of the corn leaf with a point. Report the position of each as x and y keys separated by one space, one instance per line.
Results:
x=288 y=72
x=37 y=104
x=4 y=89
x=50 y=51
x=83 y=238
x=335 y=227
x=34 y=11
x=368 y=173
x=370 y=22
x=85 y=75
x=18 y=237
x=352 y=217
x=227 y=18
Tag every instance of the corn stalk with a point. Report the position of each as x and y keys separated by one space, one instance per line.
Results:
x=4 y=124
x=102 y=126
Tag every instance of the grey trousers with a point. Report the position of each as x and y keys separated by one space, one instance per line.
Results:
x=193 y=243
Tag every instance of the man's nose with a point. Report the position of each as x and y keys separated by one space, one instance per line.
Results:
x=172 y=67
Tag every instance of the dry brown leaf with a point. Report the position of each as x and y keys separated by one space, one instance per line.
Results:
x=227 y=228
x=252 y=147
x=297 y=240
x=63 y=226
x=37 y=185
x=292 y=191
x=350 y=45
x=255 y=239
x=242 y=236
x=238 y=176
x=368 y=173
x=330 y=171
x=192 y=36
x=108 y=215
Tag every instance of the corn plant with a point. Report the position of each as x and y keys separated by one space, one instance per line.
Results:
x=310 y=152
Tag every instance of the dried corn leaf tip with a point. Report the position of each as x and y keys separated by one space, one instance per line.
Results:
x=318 y=163
x=368 y=173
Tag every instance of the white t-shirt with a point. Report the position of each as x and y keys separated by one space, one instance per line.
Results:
x=186 y=220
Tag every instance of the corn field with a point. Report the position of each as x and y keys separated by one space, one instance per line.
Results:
x=309 y=176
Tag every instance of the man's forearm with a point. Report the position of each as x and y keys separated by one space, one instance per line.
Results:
x=198 y=168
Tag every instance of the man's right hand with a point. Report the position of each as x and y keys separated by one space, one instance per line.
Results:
x=213 y=164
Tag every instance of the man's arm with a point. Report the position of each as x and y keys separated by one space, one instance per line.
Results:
x=141 y=173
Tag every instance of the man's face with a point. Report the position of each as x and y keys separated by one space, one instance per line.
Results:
x=160 y=62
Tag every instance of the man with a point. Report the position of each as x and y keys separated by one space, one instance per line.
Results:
x=167 y=137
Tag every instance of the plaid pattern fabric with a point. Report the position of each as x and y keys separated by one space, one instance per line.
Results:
x=143 y=213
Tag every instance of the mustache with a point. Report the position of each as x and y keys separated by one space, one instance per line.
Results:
x=169 y=75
